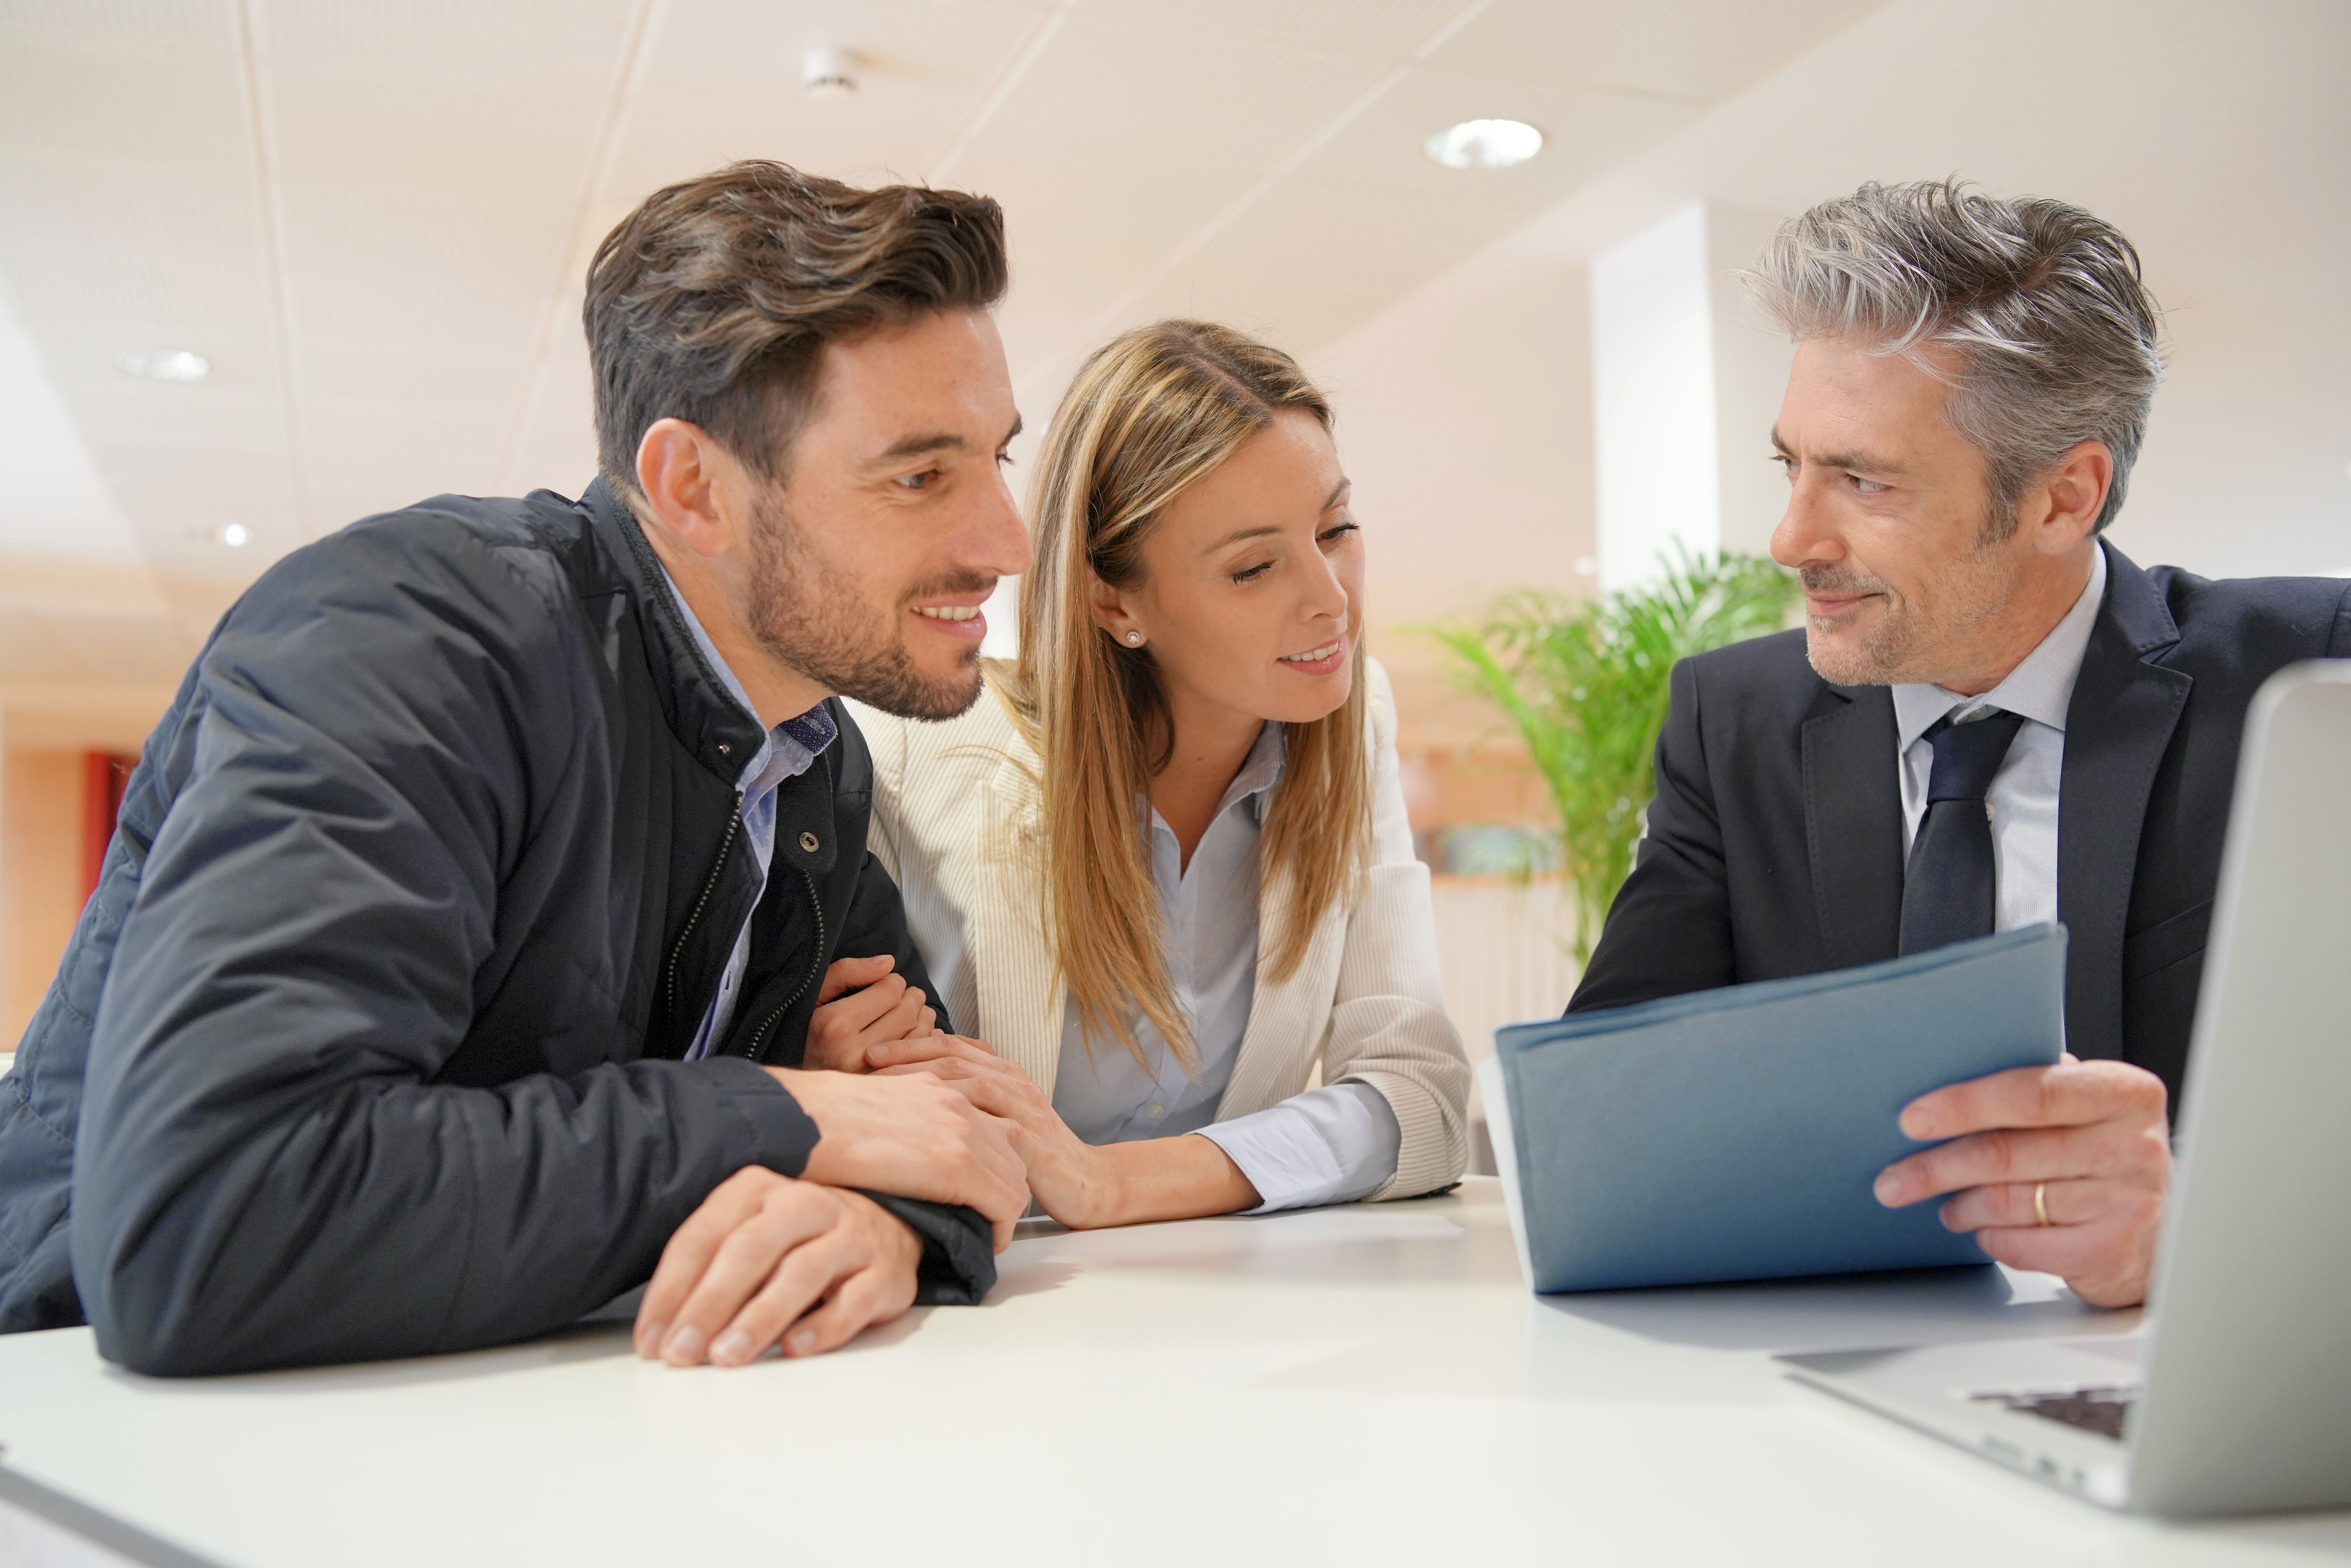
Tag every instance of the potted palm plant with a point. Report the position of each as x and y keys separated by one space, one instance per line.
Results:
x=1583 y=681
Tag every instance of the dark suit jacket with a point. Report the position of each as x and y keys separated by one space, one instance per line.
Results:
x=1774 y=843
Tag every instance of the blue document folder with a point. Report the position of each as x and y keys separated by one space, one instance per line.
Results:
x=1734 y=1134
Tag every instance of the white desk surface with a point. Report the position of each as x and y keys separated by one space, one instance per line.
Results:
x=1361 y=1384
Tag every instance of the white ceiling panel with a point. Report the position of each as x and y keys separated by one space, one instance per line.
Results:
x=1691 y=51
x=194 y=30
x=1128 y=98
x=505 y=44
x=1389 y=29
x=108 y=101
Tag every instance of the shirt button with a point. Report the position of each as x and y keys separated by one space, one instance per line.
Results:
x=1154 y=1110
x=807 y=843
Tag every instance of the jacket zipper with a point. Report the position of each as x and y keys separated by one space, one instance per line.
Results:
x=816 y=906
x=734 y=825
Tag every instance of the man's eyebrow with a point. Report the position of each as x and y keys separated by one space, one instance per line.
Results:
x=937 y=441
x=919 y=446
x=1854 y=462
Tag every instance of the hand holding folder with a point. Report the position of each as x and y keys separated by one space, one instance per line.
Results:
x=1735 y=1134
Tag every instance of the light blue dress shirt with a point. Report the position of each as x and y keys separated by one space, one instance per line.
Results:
x=790 y=751
x=1331 y=1145
x=2023 y=794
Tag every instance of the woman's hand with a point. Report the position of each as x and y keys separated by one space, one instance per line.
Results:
x=1080 y=1185
x=1072 y=1181
x=860 y=1005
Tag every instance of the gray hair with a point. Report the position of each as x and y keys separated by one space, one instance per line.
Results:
x=2054 y=333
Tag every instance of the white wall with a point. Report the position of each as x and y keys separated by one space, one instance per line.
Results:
x=1655 y=463
x=1465 y=421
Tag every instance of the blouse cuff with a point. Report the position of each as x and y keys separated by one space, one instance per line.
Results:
x=1331 y=1145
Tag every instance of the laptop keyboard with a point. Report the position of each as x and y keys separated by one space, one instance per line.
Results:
x=2098 y=1410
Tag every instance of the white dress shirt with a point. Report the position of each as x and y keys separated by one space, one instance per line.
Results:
x=2024 y=793
x=790 y=751
x=1331 y=1145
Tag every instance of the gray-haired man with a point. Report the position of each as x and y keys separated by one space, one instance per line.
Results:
x=1992 y=717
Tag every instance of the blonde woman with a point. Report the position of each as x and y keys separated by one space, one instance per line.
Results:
x=1163 y=869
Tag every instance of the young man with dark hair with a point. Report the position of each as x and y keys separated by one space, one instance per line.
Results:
x=1992 y=717
x=472 y=903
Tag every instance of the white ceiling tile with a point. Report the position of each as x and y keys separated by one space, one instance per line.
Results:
x=197 y=31
x=1698 y=50
x=416 y=374
x=86 y=308
x=1392 y=29
x=397 y=452
x=392 y=310
x=67 y=96
x=1127 y=98
x=569 y=42
x=60 y=200
x=460 y=137
x=117 y=407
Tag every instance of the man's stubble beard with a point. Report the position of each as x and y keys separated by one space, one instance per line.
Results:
x=1909 y=644
x=814 y=619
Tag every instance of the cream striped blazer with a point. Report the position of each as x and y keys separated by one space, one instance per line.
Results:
x=956 y=822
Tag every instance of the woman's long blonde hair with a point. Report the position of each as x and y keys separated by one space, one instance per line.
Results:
x=1149 y=414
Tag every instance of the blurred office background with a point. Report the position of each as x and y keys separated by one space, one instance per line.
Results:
x=268 y=266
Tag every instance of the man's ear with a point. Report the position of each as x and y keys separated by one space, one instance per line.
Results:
x=2075 y=493
x=679 y=471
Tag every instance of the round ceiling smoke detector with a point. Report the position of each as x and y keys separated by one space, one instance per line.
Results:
x=165 y=365
x=829 y=73
x=1484 y=144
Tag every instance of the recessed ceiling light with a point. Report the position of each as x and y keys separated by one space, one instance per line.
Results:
x=1484 y=144
x=236 y=536
x=167 y=365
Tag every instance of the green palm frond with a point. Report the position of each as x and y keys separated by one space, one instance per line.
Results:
x=1584 y=682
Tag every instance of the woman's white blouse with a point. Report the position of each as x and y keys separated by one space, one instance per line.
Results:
x=1331 y=1145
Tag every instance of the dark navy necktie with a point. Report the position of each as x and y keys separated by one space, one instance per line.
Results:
x=1949 y=892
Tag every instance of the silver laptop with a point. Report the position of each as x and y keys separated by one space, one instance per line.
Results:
x=2236 y=1396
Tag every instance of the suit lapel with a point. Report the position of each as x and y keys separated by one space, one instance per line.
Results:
x=1019 y=989
x=1853 y=823
x=2117 y=728
x=1286 y=1021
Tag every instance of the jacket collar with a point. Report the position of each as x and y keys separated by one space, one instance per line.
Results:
x=720 y=732
x=2126 y=706
x=1853 y=823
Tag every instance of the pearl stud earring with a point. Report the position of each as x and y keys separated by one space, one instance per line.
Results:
x=1135 y=639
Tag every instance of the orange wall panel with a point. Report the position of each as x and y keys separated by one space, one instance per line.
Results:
x=41 y=872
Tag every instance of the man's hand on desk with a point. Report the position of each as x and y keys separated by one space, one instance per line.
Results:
x=913 y=1137
x=2089 y=1136
x=764 y=1254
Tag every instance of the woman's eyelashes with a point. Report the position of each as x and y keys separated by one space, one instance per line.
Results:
x=1327 y=538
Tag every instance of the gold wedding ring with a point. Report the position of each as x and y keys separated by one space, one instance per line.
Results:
x=2041 y=1202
